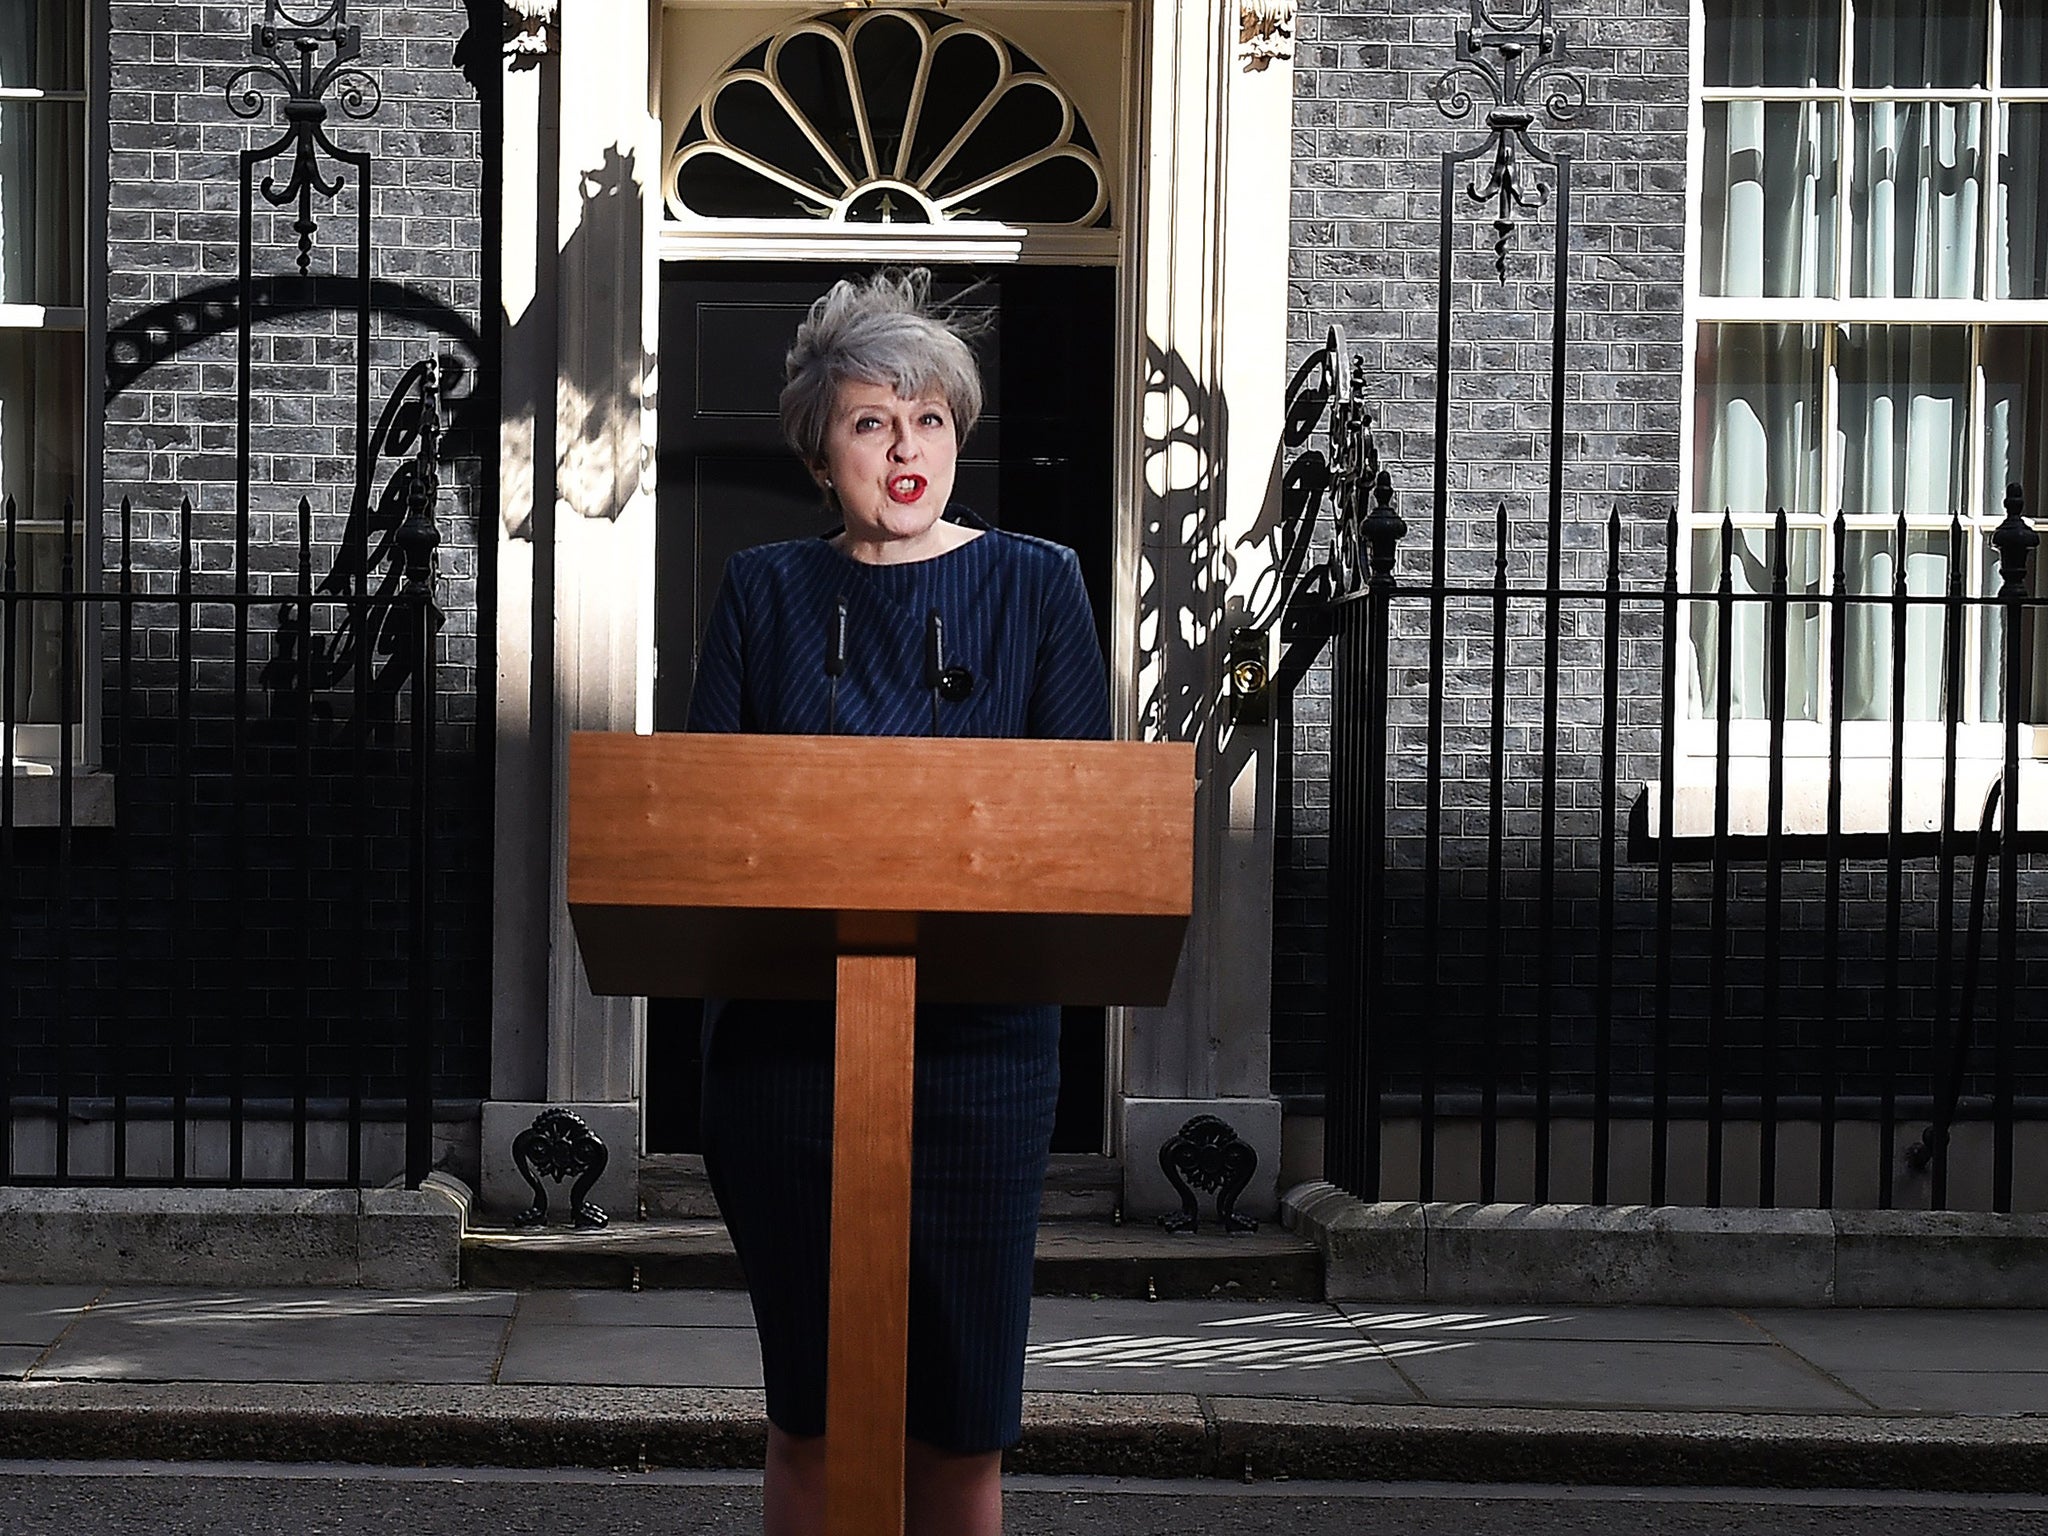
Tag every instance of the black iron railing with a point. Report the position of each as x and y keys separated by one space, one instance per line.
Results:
x=1547 y=956
x=217 y=869
x=1576 y=946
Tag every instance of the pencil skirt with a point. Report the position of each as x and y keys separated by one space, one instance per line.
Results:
x=987 y=1081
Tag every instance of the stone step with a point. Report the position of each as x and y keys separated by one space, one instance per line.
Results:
x=1078 y=1187
x=1075 y=1258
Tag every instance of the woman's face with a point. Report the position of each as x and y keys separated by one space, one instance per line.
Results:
x=889 y=461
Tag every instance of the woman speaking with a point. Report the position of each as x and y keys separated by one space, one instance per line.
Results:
x=913 y=617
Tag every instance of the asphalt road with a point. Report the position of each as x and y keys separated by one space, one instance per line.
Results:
x=117 y=1499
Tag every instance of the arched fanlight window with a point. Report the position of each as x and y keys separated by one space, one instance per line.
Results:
x=887 y=117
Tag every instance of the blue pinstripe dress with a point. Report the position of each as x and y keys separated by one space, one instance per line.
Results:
x=1016 y=616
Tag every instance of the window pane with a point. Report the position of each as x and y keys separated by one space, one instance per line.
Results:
x=1758 y=447
x=1751 y=570
x=1755 y=42
x=1769 y=206
x=1905 y=402
x=42 y=430
x=1921 y=44
x=2020 y=243
x=2015 y=416
x=1867 y=633
x=1919 y=167
x=42 y=214
x=42 y=45
x=2025 y=61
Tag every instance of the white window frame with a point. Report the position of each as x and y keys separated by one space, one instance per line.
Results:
x=37 y=748
x=1863 y=741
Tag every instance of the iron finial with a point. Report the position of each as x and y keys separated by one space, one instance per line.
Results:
x=2015 y=539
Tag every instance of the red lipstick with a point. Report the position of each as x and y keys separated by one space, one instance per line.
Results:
x=906 y=488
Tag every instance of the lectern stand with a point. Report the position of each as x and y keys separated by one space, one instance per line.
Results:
x=878 y=871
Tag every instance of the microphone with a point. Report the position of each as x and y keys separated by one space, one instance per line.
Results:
x=835 y=664
x=949 y=683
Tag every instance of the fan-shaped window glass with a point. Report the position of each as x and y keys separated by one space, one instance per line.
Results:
x=888 y=116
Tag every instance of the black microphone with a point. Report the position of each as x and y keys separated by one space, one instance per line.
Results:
x=835 y=664
x=934 y=661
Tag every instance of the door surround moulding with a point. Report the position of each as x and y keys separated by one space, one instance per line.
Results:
x=1204 y=129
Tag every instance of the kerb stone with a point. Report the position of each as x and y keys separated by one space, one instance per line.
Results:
x=179 y=1236
x=1595 y=1255
x=1370 y=1252
x=411 y=1239
x=1940 y=1259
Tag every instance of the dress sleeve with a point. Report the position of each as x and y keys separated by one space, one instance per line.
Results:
x=1070 y=689
x=718 y=694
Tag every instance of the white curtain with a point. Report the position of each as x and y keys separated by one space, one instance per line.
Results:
x=1867 y=661
x=1768 y=212
x=1758 y=405
x=1752 y=569
x=1919 y=174
x=1905 y=393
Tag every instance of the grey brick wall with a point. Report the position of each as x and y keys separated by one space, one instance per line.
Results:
x=1366 y=168
x=239 y=944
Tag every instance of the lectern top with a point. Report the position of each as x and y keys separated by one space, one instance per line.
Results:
x=881 y=824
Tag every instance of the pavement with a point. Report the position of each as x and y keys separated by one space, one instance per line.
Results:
x=1946 y=1400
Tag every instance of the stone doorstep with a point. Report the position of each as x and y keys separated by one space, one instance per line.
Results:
x=382 y=1239
x=1074 y=1259
x=1669 y=1255
x=1078 y=1187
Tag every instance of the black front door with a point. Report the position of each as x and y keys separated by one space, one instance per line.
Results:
x=1039 y=463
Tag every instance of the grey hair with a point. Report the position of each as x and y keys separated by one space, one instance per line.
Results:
x=883 y=330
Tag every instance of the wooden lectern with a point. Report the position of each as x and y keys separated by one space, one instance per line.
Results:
x=878 y=871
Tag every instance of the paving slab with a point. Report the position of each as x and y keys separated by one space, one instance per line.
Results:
x=1977 y=1393
x=617 y=1309
x=1580 y=1373
x=1674 y=1325
x=1911 y=1340
x=333 y=1337
x=36 y=1314
x=632 y=1355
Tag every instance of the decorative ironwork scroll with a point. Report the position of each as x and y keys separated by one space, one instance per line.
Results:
x=1357 y=484
x=559 y=1145
x=1207 y=1154
x=1509 y=54
x=291 y=44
